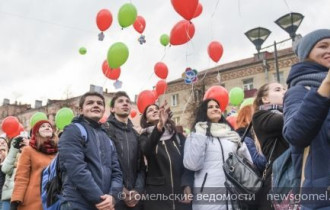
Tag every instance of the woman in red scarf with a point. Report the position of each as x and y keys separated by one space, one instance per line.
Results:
x=34 y=158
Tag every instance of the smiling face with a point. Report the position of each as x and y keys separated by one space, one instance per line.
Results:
x=152 y=114
x=122 y=107
x=45 y=130
x=275 y=94
x=321 y=53
x=213 y=111
x=93 y=108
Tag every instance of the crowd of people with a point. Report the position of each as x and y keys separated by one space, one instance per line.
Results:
x=162 y=168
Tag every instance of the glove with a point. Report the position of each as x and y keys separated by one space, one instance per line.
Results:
x=201 y=127
x=16 y=142
x=14 y=205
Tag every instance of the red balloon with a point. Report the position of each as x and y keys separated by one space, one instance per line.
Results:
x=133 y=113
x=10 y=125
x=161 y=70
x=139 y=24
x=155 y=93
x=218 y=93
x=185 y=8
x=109 y=72
x=104 y=118
x=215 y=51
x=232 y=121
x=17 y=132
x=198 y=10
x=103 y=19
x=161 y=87
x=182 y=32
x=144 y=99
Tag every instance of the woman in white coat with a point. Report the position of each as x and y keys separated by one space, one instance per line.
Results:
x=203 y=154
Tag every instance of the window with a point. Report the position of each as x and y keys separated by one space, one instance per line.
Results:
x=198 y=95
x=248 y=84
x=176 y=120
x=175 y=100
x=281 y=77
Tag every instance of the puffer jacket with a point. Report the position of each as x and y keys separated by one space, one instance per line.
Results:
x=90 y=169
x=307 y=123
x=203 y=154
x=9 y=168
x=126 y=140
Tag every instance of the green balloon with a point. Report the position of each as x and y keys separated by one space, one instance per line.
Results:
x=247 y=101
x=117 y=55
x=164 y=39
x=36 y=117
x=127 y=15
x=63 y=117
x=82 y=50
x=236 y=96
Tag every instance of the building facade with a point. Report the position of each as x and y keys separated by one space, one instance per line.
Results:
x=248 y=74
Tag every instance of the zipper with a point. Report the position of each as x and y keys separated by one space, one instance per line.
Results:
x=171 y=172
x=176 y=148
x=127 y=152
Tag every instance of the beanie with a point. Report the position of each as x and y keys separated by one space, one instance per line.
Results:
x=306 y=44
x=36 y=126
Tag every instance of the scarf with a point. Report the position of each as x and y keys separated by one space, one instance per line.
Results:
x=307 y=74
x=167 y=135
x=220 y=130
x=276 y=108
x=48 y=147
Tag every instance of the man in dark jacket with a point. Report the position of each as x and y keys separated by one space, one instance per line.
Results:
x=120 y=130
x=92 y=178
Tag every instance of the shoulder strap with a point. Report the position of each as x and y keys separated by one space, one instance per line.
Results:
x=306 y=151
x=82 y=131
x=247 y=130
x=269 y=160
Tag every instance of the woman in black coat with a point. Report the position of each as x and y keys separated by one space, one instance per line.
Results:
x=268 y=124
x=167 y=180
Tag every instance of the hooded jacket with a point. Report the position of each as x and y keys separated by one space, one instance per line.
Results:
x=307 y=123
x=90 y=169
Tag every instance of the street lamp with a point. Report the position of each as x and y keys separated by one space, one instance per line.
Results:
x=289 y=22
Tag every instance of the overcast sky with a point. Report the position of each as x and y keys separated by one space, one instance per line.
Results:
x=40 y=39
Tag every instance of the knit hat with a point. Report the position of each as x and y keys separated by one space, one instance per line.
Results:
x=36 y=126
x=306 y=44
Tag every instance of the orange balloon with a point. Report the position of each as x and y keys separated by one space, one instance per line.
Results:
x=161 y=87
x=215 y=51
x=161 y=70
x=218 y=93
x=139 y=24
x=144 y=99
x=182 y=32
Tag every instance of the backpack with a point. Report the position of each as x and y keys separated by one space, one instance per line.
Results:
x=51 y=180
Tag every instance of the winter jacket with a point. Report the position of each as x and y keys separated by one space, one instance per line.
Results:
x=90 y=169
x=307 y=123
x=27 y=179
x=268 y=126
x=126 y=140
x=9 y=168
x=203 y=154
x=166 y=174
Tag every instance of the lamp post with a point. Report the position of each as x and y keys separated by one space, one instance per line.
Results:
x=289 y=22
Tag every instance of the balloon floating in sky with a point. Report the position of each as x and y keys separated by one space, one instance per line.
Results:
x=182 y=32
x=139 y=24
x=103 y=21
x=164 y=39
x=161 y=70
x=191 y=76
x=127 y=15
x=117 y=55
x=82 y=51
x=185 y=8
x=198 y=10
x=215 y=51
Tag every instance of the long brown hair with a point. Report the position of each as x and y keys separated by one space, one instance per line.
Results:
x=262 y=92
x=244 y=116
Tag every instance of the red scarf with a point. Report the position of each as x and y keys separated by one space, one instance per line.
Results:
x=48 y=147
